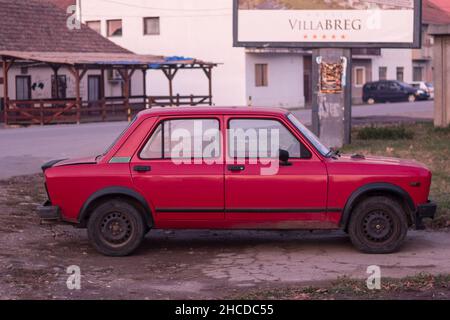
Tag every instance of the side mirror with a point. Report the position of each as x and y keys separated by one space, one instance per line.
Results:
x=284 y=157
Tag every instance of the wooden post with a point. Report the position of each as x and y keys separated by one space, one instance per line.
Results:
x=208 y=73
x=41 y=112
x=5 y=90
x=126 y=91
x=144 y=87
x=170 y=75
x=76 y=74
x=102 y=92
x=55 y=75
x=171 y=87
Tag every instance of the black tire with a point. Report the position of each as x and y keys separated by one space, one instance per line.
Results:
x=378 y=225
x=116 y=228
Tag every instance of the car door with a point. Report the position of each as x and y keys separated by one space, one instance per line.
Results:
x=260 y=192
x=397 y=92
x=179 y=172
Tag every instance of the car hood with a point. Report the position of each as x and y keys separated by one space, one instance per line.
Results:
x=381 y=161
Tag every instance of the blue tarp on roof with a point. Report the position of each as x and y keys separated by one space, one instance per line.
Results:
x=169 y=59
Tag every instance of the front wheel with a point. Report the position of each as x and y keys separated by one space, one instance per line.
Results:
x=411 y=98
x=116 y=228
x=378 y=225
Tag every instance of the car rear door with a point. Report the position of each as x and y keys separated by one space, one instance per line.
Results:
x=179 y=171
x=261 y=193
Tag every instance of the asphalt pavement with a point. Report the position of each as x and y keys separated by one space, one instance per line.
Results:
x=24 y=150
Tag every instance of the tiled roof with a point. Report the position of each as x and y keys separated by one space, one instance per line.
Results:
x=64 y=4
x=31 y=25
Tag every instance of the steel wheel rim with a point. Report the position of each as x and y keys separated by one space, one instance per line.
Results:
x=116 y=228
x=378 y=226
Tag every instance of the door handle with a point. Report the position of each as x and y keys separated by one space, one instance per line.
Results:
x=142 y=168
x=236 y=168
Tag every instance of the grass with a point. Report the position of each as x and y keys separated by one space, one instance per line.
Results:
x=420 y=286
x=385 y=133
x=420 y=141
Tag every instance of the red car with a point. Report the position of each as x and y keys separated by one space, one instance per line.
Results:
x=233 y=168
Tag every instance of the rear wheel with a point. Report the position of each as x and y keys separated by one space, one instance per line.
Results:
x=371 y=101
x=411 y=98
x=116 y=228
x=378 y=225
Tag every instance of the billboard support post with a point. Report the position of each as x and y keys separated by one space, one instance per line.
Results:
x=331 y=110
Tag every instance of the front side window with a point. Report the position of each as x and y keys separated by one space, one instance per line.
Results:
x=184 y=139
x=262 y=138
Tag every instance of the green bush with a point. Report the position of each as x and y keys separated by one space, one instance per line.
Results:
x=385 y=133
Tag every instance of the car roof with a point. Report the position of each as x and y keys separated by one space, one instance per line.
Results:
x=184 y=110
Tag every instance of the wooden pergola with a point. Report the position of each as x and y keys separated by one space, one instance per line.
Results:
x=75 y=110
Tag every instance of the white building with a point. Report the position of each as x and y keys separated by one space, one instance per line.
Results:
x=202 y=29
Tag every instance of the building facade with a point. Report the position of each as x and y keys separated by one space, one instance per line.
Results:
x=203 y=28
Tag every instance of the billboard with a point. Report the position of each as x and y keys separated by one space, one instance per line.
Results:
x=327 y=23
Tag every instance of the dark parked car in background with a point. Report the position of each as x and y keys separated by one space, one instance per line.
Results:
x=391 y=91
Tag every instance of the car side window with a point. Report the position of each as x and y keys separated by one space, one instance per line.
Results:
x=183 y=139
x=262 y=138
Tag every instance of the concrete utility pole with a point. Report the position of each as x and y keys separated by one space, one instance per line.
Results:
x=441 y=52
x=331 y=112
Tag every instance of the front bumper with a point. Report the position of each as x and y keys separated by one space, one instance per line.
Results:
x=47 y=212
x=424 y=211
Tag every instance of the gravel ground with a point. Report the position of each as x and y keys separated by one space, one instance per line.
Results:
x=185 y=264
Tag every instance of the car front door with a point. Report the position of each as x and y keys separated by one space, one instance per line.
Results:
x=179 y=169
x=262 y=192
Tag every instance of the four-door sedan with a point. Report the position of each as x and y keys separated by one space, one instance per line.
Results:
x=233 y=168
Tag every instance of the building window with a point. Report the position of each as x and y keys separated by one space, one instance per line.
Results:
x=360 y=76
x=94 y=25
x=418 y=73
x=261 y=75
x=151 y=26
x=400 y=74
x=382 y=73
x=114 y=28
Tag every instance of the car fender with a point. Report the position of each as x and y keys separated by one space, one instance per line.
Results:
x=116 y=191
x=371 y=187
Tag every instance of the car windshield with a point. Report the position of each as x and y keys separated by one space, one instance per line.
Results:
x=429 y=85
x=309 y=135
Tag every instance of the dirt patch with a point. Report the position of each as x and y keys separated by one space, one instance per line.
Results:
x=186 y=264
x=421 y=286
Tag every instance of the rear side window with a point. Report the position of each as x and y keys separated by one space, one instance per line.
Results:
x=184 y=139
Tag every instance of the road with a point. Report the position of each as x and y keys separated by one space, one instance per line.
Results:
x=24 y=150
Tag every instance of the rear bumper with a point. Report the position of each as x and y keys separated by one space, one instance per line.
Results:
x=424 y=211
x=48 y=212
